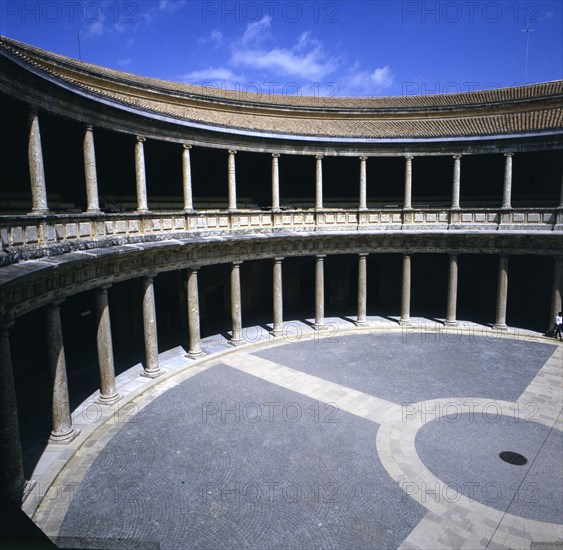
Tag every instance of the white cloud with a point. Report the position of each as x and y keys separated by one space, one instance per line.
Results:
x=305 y=59
x=256 y=31
x=211 y=76
x=364 y=82
x=171 y=5
x=216 y=38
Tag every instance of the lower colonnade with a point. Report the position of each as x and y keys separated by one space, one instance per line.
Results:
x=63 y=432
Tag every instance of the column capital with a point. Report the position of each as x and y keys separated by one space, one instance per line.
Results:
x=319 y=157
x=454 y=256
x=508 y=154
x=88 y=127
x=237 y=263
x=409 y=156
x=456 y=157
x=141 y=139
x=194 y=268
x=279 y=259
x=232 y=152
x=56 y=303
x=363 y=254
x=363 y=158
x=149 y=276
x=186 y=146
x=276 y=155
x=321 y=256
x=104 y=288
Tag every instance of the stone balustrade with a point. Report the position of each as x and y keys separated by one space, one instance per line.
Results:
x=24 y=237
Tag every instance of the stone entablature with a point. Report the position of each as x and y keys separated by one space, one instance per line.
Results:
x=27 y=237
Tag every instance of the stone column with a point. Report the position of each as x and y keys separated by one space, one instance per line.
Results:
x=502 y=294
x=408 y=183
x=319 y=293
x=92 y=199
x=108 y=392
x=556 y=305
x=319 y=183
x=406 y=291
x=362 y=289
x=236 y=338
x=277 y=329
x=275 y=182
x=11 y=458
x=36 y=169
x=363 y=183
x=187 y=178
x=193 y=315
x=456 y=182
x=62 y=429
x=140 y=177
x=507 y=189
x=452 y=293
x=232 y=179
x=152 y=368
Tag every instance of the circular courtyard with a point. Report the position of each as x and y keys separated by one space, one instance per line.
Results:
x=372 y=440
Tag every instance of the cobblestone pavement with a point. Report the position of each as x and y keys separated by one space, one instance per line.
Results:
x=357 y=441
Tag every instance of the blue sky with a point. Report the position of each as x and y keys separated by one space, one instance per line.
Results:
x=322 y=48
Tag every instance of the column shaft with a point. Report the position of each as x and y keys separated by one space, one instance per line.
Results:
x=140 y=177
x=507 y=189
x=108 y=392
x=232 y=181
x=456 y=181
x=275 y=182
x=319 y=183
x=408 y=183
x=556 y=305
x=451 y=311
x=36 y=169
x=363 y=183
x=187 y=179
x=362 y=289
x=92 y=198
x=62 y=429
x=236 y=316
x=319 y=293
x=277 y=329
x=152 y=368
x=193 y=315
x=406 y=291
x=11 y=458
x=502 y=294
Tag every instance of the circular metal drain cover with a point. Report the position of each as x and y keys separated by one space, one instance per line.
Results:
x=513 y=458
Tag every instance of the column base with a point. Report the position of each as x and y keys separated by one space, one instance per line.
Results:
x=451 y=324
x=189 y=210
x=196 y=354
x=152 y=373
x=405 y=322
x=108 y=400
x=143 y=211
x=276 y=332
x=21 y=493
x=38 y=212
x=232 y=209
x=319 y=326
x=361 y=323
x=93 y=211
x=238 y=342
x=64 y=438
x=502 y=327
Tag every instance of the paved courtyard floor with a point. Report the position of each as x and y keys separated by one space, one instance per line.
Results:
x=374 y=439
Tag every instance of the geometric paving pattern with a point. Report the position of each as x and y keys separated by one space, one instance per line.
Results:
x=360 y=441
